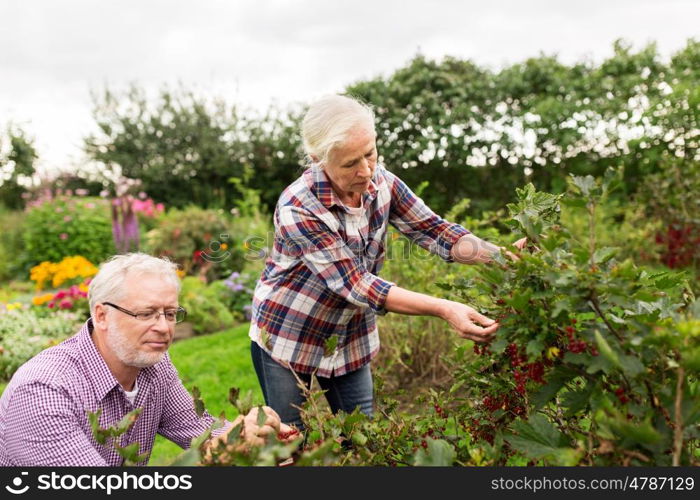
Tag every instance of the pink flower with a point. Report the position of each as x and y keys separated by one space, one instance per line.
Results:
x=67 y=218
x=160 y=207
x=65 y=304
x=59 y=210
x=63 y=236
x=60 y=295
x=51 y=305
x=90 y=205
x=81 y=192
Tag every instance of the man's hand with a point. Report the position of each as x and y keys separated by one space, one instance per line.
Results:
x=256 y=435
x=468 y=322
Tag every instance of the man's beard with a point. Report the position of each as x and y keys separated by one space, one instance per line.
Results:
x=128 y=353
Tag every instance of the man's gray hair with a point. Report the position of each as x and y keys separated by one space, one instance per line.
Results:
x=328 y=122
x=108 y=284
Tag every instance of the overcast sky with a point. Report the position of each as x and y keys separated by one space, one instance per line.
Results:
x=258 y=52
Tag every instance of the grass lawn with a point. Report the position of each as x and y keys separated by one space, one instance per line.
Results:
x=214 y=363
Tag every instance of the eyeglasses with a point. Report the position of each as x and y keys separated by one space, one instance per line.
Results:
x=171 y=315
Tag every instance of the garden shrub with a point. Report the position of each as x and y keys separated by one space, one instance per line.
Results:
x=68 y=226
x=199 y=240
x=205 y=305
x=413 y=347
x=25 y=332
x=12 y=252
x=596 y=362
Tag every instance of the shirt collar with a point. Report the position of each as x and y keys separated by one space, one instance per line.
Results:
x=322 y=188
x=97 y=370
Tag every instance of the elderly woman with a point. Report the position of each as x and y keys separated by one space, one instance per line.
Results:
x=315 y=305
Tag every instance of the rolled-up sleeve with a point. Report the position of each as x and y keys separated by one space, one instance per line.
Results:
x=325 y=253
x=414 y=219
x=42 y=429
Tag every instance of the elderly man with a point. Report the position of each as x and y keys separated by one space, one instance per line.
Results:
x=117 y=362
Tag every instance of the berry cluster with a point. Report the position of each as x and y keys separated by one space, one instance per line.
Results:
x=621 y=396
x=283 y=436
x=516 y=358
x=578 y=346
x=681 y=242
x=440 y=411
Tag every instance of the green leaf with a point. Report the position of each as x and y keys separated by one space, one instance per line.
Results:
x=642 y=433
x=262 y=417
x=127 y=421
x=556 y=381
x=690 y=360
x=538 y=438
x=520 y=299
x=575 y=401
x=233 y=394
x=198 y=403
x=498 y=345
x=605 y=349
x=330 y=345
x=130 y=453
x=631 y=365
x=358 y=438
x=535 y=347
x=586 y=185
x=602 y=255
x=597 y=363
x=438 y=454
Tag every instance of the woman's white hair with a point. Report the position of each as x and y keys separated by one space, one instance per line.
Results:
x=108 y=284
x=328 y=123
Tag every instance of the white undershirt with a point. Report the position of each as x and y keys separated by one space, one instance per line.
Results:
x=131 y=395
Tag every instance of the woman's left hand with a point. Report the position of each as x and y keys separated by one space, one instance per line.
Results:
x=520 y=244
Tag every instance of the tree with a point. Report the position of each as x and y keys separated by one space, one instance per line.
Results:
x=16 y=167
x=475 y=133
x=182 y=147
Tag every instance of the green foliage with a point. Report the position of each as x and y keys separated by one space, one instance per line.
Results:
x=68 y=226
x=205 y=305
x=532 y=121
x=586 y=367
x=16 y=167
x=670 y=198
x=177 y=146
x=184 y=148
x=11 y=245
x=24 y=333
x=228 y=364
x=199 y=240
x=110 y=435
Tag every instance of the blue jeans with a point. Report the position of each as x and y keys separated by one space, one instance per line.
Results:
x=282 y=394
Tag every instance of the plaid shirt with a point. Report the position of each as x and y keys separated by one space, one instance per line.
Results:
x=314 y=306
x=43 y=411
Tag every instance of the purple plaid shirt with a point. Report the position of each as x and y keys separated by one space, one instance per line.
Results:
x=43 y=411
x=314 y=306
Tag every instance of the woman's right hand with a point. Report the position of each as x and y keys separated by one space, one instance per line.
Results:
x=468 y=322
